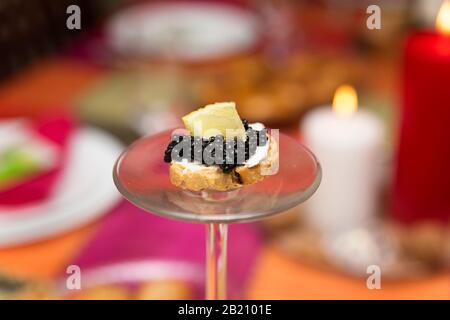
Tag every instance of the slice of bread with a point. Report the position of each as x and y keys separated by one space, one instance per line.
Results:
x=213 y=178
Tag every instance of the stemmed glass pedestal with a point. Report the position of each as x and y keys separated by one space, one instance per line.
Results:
x=142 y=177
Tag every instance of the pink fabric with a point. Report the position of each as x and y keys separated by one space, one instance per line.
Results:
x=131 y=234
x=56 y=129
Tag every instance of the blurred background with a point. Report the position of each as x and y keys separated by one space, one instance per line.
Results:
x=72 y=96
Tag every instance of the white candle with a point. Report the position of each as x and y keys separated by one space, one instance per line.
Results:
x=348 y=144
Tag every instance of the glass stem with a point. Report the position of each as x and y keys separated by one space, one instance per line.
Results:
x=216 y=261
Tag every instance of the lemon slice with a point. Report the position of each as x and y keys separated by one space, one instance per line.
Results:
x=215 y=119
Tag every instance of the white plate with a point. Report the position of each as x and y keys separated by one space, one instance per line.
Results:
x=142 y=271
x=84 y=192
x=185 y=31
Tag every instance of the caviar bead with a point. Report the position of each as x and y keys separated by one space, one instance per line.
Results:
x=227 y=168
x=245 y=123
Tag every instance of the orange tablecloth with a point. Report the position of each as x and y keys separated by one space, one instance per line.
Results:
x=279 y=277
x=54 y=83
x=46 y=259
x=51 y=85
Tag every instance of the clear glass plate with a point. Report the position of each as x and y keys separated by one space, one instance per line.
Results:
x=142 y=177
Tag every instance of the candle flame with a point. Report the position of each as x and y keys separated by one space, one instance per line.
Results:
x=443 y=18
x=345 y=100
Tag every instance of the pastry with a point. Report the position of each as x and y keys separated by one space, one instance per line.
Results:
x=276 y=92
x=12 y=288
x=103 y=292
x=221 y=151
x=165 y=290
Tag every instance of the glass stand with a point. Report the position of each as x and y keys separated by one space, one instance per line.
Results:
x=216 y=261
x=142 y=177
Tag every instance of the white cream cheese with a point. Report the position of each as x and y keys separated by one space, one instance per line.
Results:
x=190 y=166
x=260 y=153
x=258 y=126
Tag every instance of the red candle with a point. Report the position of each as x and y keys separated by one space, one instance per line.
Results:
x=422 y=180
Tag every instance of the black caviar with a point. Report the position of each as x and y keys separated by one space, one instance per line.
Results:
x=228 y=148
